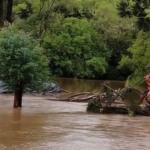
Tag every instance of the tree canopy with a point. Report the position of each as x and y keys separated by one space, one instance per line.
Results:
x=82 y=38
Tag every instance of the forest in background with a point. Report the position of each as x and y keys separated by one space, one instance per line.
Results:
x=89 y=39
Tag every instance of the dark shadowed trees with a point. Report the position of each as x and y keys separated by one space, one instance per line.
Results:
x=137 y=8
x=9 y=11
x=5 y=11
x=1 y=13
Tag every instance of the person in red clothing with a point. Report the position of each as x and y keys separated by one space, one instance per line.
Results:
x=146 y=94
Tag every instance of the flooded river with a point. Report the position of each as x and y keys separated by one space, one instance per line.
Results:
x=55 y=125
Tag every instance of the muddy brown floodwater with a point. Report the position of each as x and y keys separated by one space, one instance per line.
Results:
x=55 y=125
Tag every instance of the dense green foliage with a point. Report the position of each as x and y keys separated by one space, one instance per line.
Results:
x=139 y=60
x=74 y=50
x=22 y=64
x=87 y=38
x=116 y=33
x=83 y=39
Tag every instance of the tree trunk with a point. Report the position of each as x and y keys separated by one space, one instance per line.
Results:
x=1 y=13
x=9 y=11
x=18 y=98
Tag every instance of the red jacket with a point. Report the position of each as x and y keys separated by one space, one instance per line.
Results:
x=148 y=84
x=147 y=78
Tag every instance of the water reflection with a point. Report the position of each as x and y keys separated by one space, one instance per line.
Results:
x=16 y=114
x=80 y=85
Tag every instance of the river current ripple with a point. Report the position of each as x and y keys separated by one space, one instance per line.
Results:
x=54 y=125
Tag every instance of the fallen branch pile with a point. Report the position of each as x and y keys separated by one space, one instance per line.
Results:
x=108 y=100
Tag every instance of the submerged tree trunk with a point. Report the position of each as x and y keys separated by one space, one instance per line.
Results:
x=18 y=98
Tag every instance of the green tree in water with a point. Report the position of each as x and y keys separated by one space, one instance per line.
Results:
x=22 y=63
